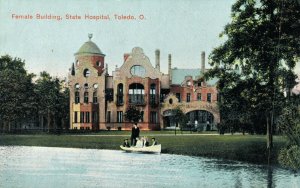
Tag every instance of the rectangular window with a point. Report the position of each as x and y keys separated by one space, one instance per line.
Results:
x=178 y=97
x=208 y=97
x=81 y=117
x=86 y=97
x=153 y=117
x=75 y=117
x=87 y=117
x=77 y=98
x=94 y=117
x=119 y=116
x=108 y=117
x=199 y=96
x=142 y=116
x=188 y=97
x=95 y=97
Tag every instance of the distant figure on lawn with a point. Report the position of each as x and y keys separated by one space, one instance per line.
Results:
x=126 y=143
x=154 y=142
x=135 y=133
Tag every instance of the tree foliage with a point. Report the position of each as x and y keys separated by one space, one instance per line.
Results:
x=255 y=63
x=289 y=123
x=133 y=114
x=22 y=100
x=16 y=91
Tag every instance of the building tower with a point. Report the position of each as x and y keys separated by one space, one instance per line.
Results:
x=87 y=88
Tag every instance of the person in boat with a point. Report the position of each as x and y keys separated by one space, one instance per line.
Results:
x=139 y=143
x=154 y=142
x=146 y=142
x=135 y=133
x=126 y=143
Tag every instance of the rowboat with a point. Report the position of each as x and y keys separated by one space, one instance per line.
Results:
x=149 y=149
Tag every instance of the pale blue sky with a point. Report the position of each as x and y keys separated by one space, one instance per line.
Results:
x=181 y=28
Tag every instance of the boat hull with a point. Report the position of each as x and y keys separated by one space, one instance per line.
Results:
x=149 y=149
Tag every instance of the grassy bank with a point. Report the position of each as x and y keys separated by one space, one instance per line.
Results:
x=248 y=148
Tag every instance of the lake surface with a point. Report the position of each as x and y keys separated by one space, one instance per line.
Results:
x=68 y=167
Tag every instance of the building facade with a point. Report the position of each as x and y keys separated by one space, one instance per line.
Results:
x=99 y=100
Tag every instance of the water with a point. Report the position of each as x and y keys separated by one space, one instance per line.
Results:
x=68 y=167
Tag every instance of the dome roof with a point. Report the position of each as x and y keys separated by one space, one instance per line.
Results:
x=89 y=47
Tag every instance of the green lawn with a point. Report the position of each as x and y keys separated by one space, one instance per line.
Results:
x=249 y=148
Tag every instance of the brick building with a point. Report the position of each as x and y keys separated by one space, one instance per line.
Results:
x=99 y=100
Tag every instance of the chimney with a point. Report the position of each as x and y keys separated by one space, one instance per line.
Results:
x=202 y=62
x=73 y=70
x=106 y=69
x=157 y=59
x=170 y=68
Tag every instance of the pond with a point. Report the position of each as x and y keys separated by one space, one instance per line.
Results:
x=69 y=167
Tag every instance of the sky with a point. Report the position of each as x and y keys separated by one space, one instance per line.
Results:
x=181 y=28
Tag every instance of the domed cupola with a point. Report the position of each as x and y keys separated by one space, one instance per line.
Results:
x=89 y=48
x=90 y=54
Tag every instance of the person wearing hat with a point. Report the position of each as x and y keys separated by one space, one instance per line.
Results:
x=154 y=142
x=135 y=133
x=126 y=143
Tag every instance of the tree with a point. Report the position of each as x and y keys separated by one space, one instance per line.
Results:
x=256 y=61
x=289 y=123
x=48 y=94
x=180 y=117
x=16 y=92
x=133 y=114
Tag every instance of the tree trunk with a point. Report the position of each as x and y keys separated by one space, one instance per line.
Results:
x=269 y=138
x=48 y=120
x=9 y=124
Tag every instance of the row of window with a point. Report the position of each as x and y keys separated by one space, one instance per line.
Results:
x=188 y=97
x=85 y=117
x=153 y=117
x=86 y=97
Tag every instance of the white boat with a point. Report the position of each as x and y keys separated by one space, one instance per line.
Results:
x=149 y=149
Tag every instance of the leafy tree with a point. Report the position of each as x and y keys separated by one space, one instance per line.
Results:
x=16 y=92
x=255 y=63
x=133 y=114
x=289 y=123
x=48 y=93
x=180 y=117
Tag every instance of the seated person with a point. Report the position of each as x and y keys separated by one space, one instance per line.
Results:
x=139 y=143
x=154 y=142
x=126 y=143
x=146 y=142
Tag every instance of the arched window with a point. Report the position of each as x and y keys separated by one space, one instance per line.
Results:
x=120 y=94
x=86 y=97
x=136 y=94
x=86 y=86
x=95 y=97
x=77 y=86
x=77 y=98
x=152 y=94
x=86 y=73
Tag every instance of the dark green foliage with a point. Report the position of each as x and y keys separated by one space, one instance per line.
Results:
x=17 y=98
x=289 y=124
x=180 y=117
x=53 y=101
x=22 y=101
x=255 y=64
x=133 y=114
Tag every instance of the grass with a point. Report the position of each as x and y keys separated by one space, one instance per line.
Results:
x=247 y=148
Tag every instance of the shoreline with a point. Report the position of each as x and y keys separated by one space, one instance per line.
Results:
x=242 y=148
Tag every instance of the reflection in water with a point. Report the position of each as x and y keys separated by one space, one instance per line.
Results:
x=67 y=167
x=270 y=177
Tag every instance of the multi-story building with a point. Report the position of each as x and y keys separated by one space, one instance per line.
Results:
x=99 y=100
